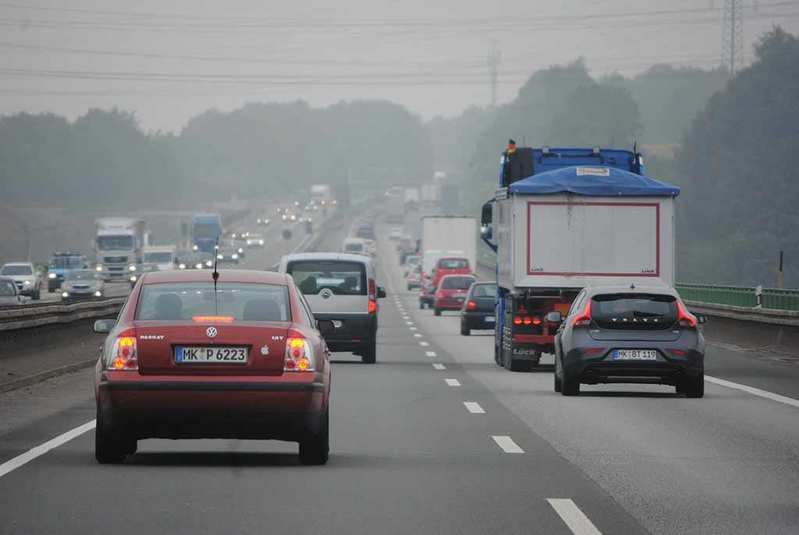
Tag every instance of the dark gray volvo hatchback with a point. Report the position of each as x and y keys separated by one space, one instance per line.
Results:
x=629 y=335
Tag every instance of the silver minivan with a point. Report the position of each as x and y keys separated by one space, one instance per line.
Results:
x=341 y=288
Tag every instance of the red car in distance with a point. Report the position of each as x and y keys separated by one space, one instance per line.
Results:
x=451 y=292
x=188 y=358
x=450 y=266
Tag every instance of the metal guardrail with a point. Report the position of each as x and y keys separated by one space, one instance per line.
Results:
x=741 y=296
x=47 y=314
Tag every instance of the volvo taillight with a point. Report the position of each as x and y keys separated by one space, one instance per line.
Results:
x=123 y=355
x=584 y=318
x=685 y=318
x=299 y=356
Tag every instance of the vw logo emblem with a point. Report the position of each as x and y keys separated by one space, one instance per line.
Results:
x=211 y=332
x=325 y=293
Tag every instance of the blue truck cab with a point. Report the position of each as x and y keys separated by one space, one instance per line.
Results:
x=206 y=231
x=60 y=264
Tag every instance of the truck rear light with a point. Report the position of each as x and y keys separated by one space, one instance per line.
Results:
x=471 y=305
x=517 y=320
x=299 y=356
x=527 y=320
x=584 y=318
x=685 y=318
x=123 y=355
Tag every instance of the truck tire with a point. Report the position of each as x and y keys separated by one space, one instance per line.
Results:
x=692 y=387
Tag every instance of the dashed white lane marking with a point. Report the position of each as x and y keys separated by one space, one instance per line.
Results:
x=438 y=366
x=412 y=328
x=474 y=407
x=573 y=517
x=452 y=382
x=507 y=444
x=754 y=391
x=430 y=353
x=41 y=449
x=424 y=344
x=417 y=335
x=408 y=323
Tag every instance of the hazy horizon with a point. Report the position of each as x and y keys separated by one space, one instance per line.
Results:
x=168 y=64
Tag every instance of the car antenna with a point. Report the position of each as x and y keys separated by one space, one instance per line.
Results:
x=215 y=276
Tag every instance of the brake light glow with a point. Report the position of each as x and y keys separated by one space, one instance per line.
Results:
x=685 y=318
x=584 y=318
x=372 y=305
x=371 y=308
x=212 y=319
x=299 y=357
x=471 y=305
x=526 y=320
x=123 y=354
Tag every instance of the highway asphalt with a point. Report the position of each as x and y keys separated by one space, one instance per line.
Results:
x=434 y=438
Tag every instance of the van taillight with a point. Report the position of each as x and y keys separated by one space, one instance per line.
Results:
x=123 y=355
x=372 y=306
x=299 y=357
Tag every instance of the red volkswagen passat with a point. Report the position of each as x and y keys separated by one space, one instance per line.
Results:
x=187 y=358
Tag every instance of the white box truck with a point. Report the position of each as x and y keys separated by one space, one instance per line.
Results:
x=118 y=246
x=582 y=217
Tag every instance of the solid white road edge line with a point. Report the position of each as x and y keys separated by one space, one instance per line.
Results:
x=573 y=517
x=452 y=382
x=41 y=449
x=507 y=444
x=474 y=407
x=438 y=366
x=754 y=391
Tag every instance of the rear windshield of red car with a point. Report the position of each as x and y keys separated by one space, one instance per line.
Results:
x=453 y=263
x=457 y=283
x=188 y=300
x=634 y=311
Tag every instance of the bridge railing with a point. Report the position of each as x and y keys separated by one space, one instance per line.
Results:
x=741 y=296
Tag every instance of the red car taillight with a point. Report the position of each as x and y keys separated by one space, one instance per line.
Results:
x=685 y=318
x=123 y=353
x=584 y=318
x=471 y=305
x=299 y=357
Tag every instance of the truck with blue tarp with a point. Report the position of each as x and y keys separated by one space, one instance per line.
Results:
x=206 y=231
x=565 y=219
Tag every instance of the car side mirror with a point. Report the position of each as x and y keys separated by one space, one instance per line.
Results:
x=104 y=326
x=325 y=327
x=381 y=292
x=701 y=318
x=554 y=317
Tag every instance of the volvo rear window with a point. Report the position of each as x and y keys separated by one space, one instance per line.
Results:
x=339 y=276
x=634 y=311
x=190 y=300
x=457 y=283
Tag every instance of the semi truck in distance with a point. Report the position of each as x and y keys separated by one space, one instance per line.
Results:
x=118 y=246
x=322 y=194
x=395 y=206
x=565 y=219
x=206 y=231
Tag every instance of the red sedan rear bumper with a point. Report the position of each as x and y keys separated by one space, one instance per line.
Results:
x=165 y=406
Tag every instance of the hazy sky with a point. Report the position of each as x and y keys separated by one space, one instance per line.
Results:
x=170 y=60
